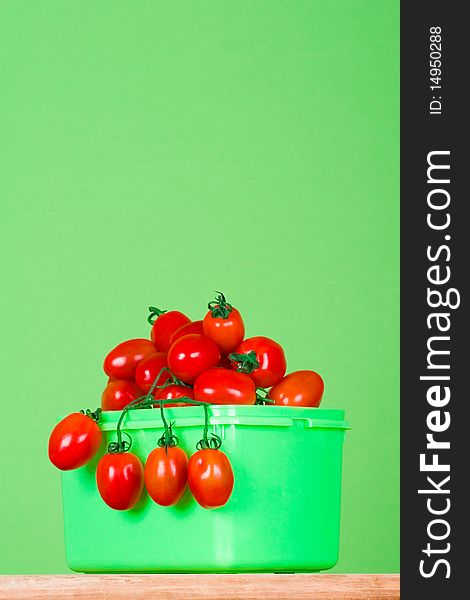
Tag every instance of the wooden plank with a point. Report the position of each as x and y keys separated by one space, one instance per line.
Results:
x=201 y=587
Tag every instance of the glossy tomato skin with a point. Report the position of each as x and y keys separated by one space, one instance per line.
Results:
x=149 y=368
x=195 y=327
x=120 y=480
x=166 y=475
x=224 y=386
x=270 y=356
x=210 y=478
x=190 y=355
x=119 y=393
x=227 y=333
x=300 y=388
x=165 y=326
x=173 y=392
x=122 y=361
x=74 y=441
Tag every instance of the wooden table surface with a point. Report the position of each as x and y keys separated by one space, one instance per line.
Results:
x=201 y=587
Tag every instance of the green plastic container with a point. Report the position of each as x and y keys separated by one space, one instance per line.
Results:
x=283 y=515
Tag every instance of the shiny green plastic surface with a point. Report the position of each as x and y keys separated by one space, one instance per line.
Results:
x=283 y=515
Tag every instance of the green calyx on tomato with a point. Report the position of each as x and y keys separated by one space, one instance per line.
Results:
x=95 y=415
x=220 y=308
x=209 y=443
x=154 y=314
x=121 y=445
x=269 y=355
x=168 y=439
x=262 y=397
x=212 y=442
x=247 y=363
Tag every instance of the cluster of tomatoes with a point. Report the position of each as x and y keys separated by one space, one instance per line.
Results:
x=184 y=362
x=120 y=475
x=211 y=360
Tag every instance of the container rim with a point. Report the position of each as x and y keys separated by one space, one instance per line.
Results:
x=247 y=415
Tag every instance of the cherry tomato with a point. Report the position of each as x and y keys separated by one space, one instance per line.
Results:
x=210 y=478
x=224 y=324
x=118 y=393
x=164 y=326
x=120 y=480
x=149 y=368
x=122 y=361
x=191 y=355
x=173 y=392
x=300 y=388
x=271 y=359
x=74 y=441
x=166 y=475
x=188 y=329
x=224 y=386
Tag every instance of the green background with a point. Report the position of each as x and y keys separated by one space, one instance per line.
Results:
x=151 y=152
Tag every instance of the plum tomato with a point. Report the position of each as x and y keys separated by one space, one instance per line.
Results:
x=190 y=355
x=188 y=329
x=120 y=480
x=300 y=388
x=173 y=392
x=149 y=368
x=122 y=361
x=164 y=324
x=269 y=356
x=74 y=441
x=224 y=324
x=210 y=477
x=224 y=386
x=119 y=393
x=166 y=475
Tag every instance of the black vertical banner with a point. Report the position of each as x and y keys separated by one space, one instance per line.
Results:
x=435 y=354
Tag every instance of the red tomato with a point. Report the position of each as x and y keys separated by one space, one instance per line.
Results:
x=191 y=355
x=223 y=386
x=300 y=388
x=122 y=361
x=120 y=480
x=148 y=369
x=172 y=392
x=166 y=475
x=210 y=478
x=74 y=441
x=224 y=324
x=119 y=393
x=165 y=325
x=271 y=359
x=188 y=329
